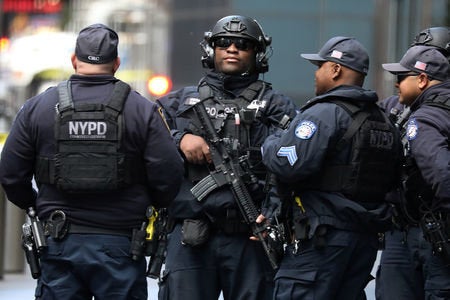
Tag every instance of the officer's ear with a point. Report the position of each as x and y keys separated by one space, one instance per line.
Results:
x=73 y=58
x=116 y=64
x=423 y=81
x=336 y=70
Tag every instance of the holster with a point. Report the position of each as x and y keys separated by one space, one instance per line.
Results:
x=436 y=231
x=301 y=225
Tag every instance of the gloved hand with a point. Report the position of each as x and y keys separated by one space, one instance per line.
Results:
x=271 y=208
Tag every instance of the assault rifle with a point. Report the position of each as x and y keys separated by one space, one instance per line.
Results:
x=33 y=241
x=229 y=172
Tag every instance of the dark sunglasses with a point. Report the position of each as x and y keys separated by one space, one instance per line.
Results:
x=401 y=77
x=239 y=43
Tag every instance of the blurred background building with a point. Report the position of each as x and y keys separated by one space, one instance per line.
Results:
x=161 y=37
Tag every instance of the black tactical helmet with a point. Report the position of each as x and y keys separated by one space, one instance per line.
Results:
x=237 y=26
x=438 y=37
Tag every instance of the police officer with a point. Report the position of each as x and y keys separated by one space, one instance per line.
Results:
x=100 y=154
x=337 y=159
x=397 y=276
x=422 y=80
x=209 y=250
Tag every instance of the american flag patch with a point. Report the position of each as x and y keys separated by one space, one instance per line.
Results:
x=336 y=54
x=420 y=65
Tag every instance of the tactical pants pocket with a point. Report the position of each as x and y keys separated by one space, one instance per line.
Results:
x=295 y=284
x=163 y=284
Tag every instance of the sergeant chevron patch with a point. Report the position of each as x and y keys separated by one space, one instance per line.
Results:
x=290 y=153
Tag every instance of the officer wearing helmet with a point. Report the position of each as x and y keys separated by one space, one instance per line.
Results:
x=401 y=275
x=211 y=249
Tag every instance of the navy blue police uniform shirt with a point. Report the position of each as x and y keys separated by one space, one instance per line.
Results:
x=224 y=86
x=32 y=135
x=391 y=103
x=297 y=155
x=427 y=132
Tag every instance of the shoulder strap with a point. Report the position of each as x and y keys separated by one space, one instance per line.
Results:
x=65 y=96
x=204 y=92
x=114 y=106
x=118 y=97
x=358 y=114
x=255 y=90
x=441 y=101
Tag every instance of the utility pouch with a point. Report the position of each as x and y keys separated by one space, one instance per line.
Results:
x=57 y=225
x=195 y=232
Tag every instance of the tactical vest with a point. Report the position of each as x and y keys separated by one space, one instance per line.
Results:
x=89 y=155
x=232 y=119
x=373 y=164
x=418 y=195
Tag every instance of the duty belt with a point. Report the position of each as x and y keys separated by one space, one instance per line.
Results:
x=231 y=223
x=57 y=226
x=231 y=226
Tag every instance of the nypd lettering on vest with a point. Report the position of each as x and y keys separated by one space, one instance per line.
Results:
x=87 y=129
x=381 y=139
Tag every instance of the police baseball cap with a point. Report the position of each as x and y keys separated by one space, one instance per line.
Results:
x=346 y=51
x=422 y=59
x=97 y=44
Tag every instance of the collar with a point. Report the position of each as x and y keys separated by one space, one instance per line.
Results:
x=232 y=84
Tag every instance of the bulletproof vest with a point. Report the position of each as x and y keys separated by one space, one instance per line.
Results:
x=232 y=119
x=418 y=195
x=89 y=155
x=373 y=164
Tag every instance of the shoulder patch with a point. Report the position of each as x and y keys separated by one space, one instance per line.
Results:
x=305 y=130
x=191 y=101
x=412 y=130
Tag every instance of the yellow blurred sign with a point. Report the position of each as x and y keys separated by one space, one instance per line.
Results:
x=3 y=137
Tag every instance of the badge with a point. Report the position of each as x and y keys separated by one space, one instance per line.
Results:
x=290 y=153
x=412 y=130
x=305 y=130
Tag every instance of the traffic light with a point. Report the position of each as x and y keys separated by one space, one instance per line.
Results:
x=159 y=85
